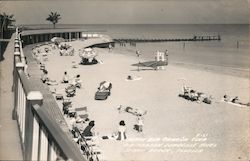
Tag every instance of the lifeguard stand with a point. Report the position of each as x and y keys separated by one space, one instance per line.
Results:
x=161 y=57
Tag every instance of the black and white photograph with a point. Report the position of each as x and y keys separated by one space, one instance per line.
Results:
x=124 y=80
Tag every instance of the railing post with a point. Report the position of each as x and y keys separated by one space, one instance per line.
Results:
x=17 y=55
x=31 y=136
x=16 y=79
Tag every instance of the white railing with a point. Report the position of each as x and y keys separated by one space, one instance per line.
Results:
x=41 y=136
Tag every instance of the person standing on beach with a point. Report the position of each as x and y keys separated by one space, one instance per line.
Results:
x=140 y=123
x=122 y=131
x=65 y=78
x=110 y=47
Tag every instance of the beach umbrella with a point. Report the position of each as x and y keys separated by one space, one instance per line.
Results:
x=88 y=53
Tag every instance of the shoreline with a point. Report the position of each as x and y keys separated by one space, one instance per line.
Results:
x=225 y=70
x=236 y=72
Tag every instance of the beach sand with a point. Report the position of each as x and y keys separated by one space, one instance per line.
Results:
x=222 y=129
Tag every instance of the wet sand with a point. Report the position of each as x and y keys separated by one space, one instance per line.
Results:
x=223 y=126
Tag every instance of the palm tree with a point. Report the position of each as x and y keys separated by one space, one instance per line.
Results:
x=6 y=22
x=53 y=17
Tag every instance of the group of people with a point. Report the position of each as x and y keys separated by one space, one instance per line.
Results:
x=139 y=116
x=193 y=95
x=45 y=78
x=70 y=90
x=89 y=131
x=76 y=81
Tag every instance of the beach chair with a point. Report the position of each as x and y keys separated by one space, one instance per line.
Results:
x=67 y=103
x=42 y=66
x=59 y=96
x=82 y=112
x=92 y=144
x=52 y=82
x=103 y=91
x=71 y=112
x=70 y=90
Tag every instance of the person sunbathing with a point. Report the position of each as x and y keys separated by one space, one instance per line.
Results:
x=45 y=79
x=236 y=100
x=193 y=96
x=105 y=86
x=131 y=110
x=207 y=100
x=77 y=82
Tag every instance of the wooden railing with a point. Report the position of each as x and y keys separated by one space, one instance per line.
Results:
x=43 y=137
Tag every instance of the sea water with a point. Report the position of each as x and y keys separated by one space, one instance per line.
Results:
x=232 y=51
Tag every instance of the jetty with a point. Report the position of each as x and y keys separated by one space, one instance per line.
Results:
x=143 y=40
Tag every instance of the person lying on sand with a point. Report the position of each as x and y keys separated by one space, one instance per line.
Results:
x=77 y=82
x=235 y=100
x=131 y=110
x=45 y=79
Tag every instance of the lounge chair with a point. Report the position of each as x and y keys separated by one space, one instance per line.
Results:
x=103 y=91
x=67 y=103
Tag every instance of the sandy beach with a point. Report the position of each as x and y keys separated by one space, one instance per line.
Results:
x=174 y=128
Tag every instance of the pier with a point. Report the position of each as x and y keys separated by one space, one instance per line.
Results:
x=194 y=38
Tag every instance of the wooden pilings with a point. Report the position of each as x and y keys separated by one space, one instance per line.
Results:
x=195 y=38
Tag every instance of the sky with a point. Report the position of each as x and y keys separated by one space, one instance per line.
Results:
x=130 y=11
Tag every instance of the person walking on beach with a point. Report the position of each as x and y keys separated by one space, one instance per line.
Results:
x=140 y=123
x=138 y=54
x=122 y=131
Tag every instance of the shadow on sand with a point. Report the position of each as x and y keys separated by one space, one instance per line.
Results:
x=150 y=65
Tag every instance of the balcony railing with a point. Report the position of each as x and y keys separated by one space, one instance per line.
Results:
x=43 y=137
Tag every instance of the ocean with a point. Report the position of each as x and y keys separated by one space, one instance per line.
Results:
x=232 y=51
